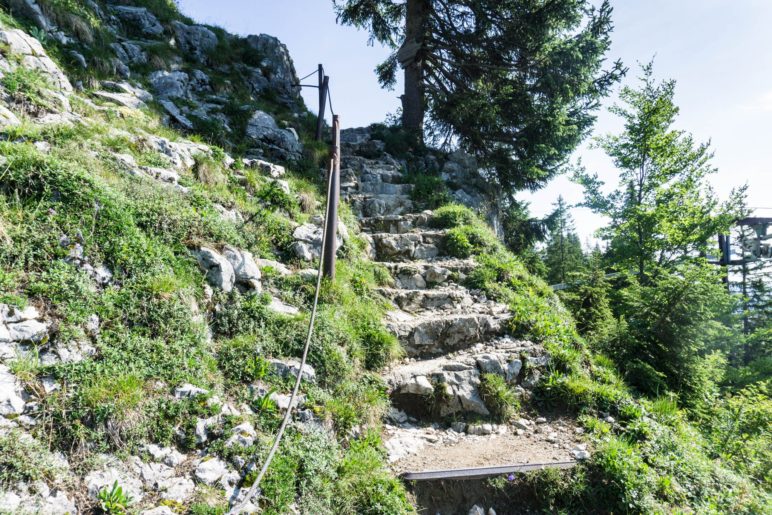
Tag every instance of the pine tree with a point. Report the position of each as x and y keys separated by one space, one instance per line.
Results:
x=563 y=253
x=515 y=82
x=588 y=300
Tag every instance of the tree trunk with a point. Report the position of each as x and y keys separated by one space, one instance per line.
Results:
x=413 y=102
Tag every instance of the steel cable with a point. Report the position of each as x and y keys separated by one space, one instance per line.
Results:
x=253 y=489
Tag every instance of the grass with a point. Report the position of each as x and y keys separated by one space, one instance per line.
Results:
x=500 y=398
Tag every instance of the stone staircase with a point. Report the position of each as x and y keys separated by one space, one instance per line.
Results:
x=451 y=335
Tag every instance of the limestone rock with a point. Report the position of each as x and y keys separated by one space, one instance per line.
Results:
x=280 y=76
x=32 y=55
x=280 y=308
x=176 y=114
x=262 y=128
x=105 y=478
x=210 y=471
x=11 y=402
x=246 y=270
x=31 y=10
x=290 y=367
x=219 y=271
x=174 y=84
x=188 y=391
x=7 y=118
x=140 y=19
x=195 y=40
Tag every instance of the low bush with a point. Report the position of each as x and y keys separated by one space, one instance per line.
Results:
x=500 y=399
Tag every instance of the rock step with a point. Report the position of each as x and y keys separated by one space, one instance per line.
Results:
x=396 y=224
x=445 y=299
x=385 y=188
x=410 y=246
x=368 y=205
x=418 y=275
x=360 y=169
x=414 y=383
x=436 y=334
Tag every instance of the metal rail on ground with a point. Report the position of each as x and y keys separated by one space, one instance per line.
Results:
x=483 y=472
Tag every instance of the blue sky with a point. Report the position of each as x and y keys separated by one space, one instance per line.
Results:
x=719 y=51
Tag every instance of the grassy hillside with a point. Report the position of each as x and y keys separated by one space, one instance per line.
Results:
x=102 y=214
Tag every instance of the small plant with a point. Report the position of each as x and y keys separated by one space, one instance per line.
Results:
x=498 y=396
x=27 y=87
x=114 y=500
x=453 y=215
x=264 y=403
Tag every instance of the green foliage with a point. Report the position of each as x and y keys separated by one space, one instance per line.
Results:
x=114 y=500
x=587 y=297
x=500 y=399
x=429 y=190
x=563 y=253
x=663 y=212
x=453 y=215
x=364 y=486
x=470 y=240
x=25 y=459
x=29 y=88
x=521 y=121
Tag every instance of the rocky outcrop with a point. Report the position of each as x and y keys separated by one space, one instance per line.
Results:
x=195 y=41
x=138 y=20
x=281 y=143
x=277 y=71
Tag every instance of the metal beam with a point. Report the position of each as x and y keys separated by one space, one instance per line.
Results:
x=483 y=472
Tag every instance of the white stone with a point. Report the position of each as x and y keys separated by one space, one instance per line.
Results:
x=11 y=402
x=176 y=488
x=477 y=510
x=105 y=478
x=280 y=308
x=290 y=368
x=219 y=271
x=160 y=510
x=210 y=471
x=28 y=331
x=244 y=266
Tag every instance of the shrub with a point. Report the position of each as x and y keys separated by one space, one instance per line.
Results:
x=28 y=87
x=453 y=215
x=469 y=240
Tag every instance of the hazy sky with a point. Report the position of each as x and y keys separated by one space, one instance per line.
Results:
x=719 y=51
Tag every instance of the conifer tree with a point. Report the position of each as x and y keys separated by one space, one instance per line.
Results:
x=515 y=82
x=563 y=253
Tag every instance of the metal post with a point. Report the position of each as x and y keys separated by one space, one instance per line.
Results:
x=324 y=82
x=331 y=242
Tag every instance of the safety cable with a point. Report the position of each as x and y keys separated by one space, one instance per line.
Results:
x=329 y=99
x=307 y=76
x=240 y=506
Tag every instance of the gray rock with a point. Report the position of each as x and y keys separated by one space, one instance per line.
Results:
x=173 y=84
x=304 y=251
x=30 y=54
x=178 y=489
x=280 y=308
x=166 y=455
x=121 y=99
x=210 y=471
x=140 y=19
x=513 y=370
x=477 y=510
x=219 y=271
x=105 y=478
x=195 y=40
x=290 y=368
x=28 y=331
x=479 y=429
x=262 y=128
x=275 y=267
x=419 y=385
x=273 y=170
x=244 y=266
x=188 y=391
x=160 y=510
x=31 y=10
x=244 y=435
x=278 y=64
x=11 y=402
x=490 y=364
x=7 y=118
x=129 y=53
x=175 y=114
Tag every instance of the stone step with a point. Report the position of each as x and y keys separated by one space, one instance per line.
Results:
x=396 y=224
x=448 y=385
x=385 y=188
x=440 y=333
x=418 y=275
x=367 y=205
x=447 y=299
x=424 y=244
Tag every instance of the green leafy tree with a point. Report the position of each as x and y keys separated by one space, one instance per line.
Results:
x=515 y=82
x=563 y=253
x=663 y=211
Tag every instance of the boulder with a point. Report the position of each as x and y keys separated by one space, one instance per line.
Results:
x=139 y=19
x=30 y=54
x=195 y=40
x=262 y=128
x=176 y=115
x=129 y=53
x=170 y=84
x=280 y=308
x=7 y=118
x=188 y=391
x=178 y=489
x=246 y=270
x=219 y=272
